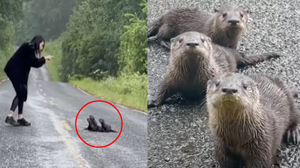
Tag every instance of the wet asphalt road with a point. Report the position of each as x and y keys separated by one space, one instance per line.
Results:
x=178 y=134
x=51 y=140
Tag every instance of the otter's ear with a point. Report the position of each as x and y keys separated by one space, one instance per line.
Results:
x=248 y=12
x=209 y=39
x=209 y=82
x=172 y=40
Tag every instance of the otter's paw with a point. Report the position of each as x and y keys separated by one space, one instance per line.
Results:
x=293 y=136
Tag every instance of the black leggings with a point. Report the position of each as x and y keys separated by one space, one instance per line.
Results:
x=16 y=103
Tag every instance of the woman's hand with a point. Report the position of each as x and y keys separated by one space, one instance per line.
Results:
x=48 y=57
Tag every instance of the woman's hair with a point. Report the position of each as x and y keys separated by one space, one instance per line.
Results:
x=35 y=43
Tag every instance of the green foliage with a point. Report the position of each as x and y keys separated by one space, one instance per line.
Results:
x=54 y=66
x=9 y=11
x=129 y=90
x=6 y=34
x=5 y=54
x=46 y=17
x=133 y=50
x=91 y=42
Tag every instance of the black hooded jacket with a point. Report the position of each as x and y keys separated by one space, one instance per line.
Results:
x=19 y=65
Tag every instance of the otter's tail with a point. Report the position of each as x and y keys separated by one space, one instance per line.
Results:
x=112 y=131
x=154 y=27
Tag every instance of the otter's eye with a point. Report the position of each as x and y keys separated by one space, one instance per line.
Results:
x=242 y=15
x=203 y=40
x=224 y=14
x=245 y=86
x=217 y=83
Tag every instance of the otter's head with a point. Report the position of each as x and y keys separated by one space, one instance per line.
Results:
x=92 y=117
x=232 y=95
x=190 y=47
x=231 y=18
x=101 y=120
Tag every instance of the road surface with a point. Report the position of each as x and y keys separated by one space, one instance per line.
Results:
x=178 y=134
x=51 y=140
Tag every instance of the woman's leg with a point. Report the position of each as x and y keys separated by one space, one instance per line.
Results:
x=21 y=101
x=20 y=108
x=10 y=118
x=14 y=105
x=22 y=120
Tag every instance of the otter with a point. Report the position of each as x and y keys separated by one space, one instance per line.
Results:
x=93 y=126
x=194 y=59
x=106 y=127
x=250 y=116
x=225 y=27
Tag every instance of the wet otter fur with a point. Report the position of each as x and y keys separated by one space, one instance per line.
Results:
x=194 y=59
x=249 y=118
x=93 y=126
x=106 y=127
x=225 y=26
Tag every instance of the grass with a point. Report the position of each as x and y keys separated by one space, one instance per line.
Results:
x=128 y=90
x=4 y=56
x=2 y=74
x=54 y=49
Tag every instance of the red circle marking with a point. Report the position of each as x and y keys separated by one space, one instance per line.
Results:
x=112 y=141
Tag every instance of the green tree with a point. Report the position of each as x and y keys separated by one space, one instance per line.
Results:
x=46 y=17
x=133 y=50
x=91 y=42
x=9 y=11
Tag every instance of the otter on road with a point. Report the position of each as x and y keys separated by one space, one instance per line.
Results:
x=106 y=127
x=225 y=27
x=93 y=126
x=194 y=60
x=259 y=110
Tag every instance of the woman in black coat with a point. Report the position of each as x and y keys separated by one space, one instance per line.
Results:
x=17 y=70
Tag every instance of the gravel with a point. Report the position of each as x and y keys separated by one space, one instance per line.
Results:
x=178 y=135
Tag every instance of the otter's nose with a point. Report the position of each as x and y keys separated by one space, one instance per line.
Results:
x=192 y=44
x=229 y=90
x=233 y=21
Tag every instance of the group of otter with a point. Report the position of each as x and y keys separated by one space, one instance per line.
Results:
x=250 y=116
x=93 y=126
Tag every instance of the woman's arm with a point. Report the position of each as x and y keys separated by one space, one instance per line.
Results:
x=37 y=62
x=33 y=60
